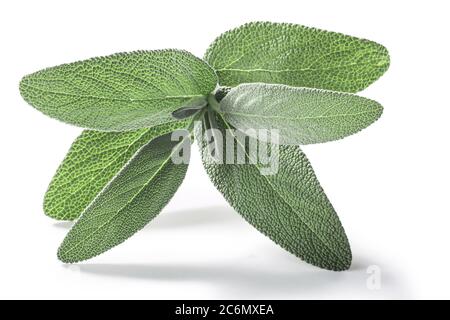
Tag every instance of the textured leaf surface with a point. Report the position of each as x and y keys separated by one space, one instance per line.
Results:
x=121 y=92
x=289 y=207
x=189 y=110
x=302 y=115
x=138 y=193
x=296 y=55
x=92 y=161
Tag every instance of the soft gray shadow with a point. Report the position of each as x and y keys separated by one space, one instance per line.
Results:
x=182 y=218
x=359 y=264
x=254 y=281
x=64 y=224
x=225 y=278
x=284 y=275
x=194 y=217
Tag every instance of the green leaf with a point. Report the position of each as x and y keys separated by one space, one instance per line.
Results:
x=91 y=163
x=296 y=55
x=289 y=207
x=302 y=115
x=122 y=92
x=190 y=109
x=132 y=199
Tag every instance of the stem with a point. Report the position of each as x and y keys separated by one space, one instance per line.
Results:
x=213 y=103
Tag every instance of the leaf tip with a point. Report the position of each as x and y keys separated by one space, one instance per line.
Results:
x=22 y=85
x=341 y=260
x=51 y=210
x=345 y=263
x=62 y=256
x=66 y=255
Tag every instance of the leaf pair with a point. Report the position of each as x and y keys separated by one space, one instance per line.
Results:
x=136 y=195
x=93 y=161
x=272 y=76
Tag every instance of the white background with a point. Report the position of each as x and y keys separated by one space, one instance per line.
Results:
x=389 y=184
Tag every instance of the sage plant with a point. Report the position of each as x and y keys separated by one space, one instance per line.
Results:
x=293 y=81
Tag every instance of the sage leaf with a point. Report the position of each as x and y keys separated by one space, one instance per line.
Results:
x=93 y=160
x=121 y=92
x=190 y=109
x=130 y=201
x=302 y=115
x=184 y=113
x=290 y=207
x=297 y=56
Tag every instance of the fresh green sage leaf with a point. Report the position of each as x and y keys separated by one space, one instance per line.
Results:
x=121 y=92
x=302 y=115
x=297 y=56
x=184 y=113
x=190 y=109
x=290 y=206
x=91 y=163
x=130 y=201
